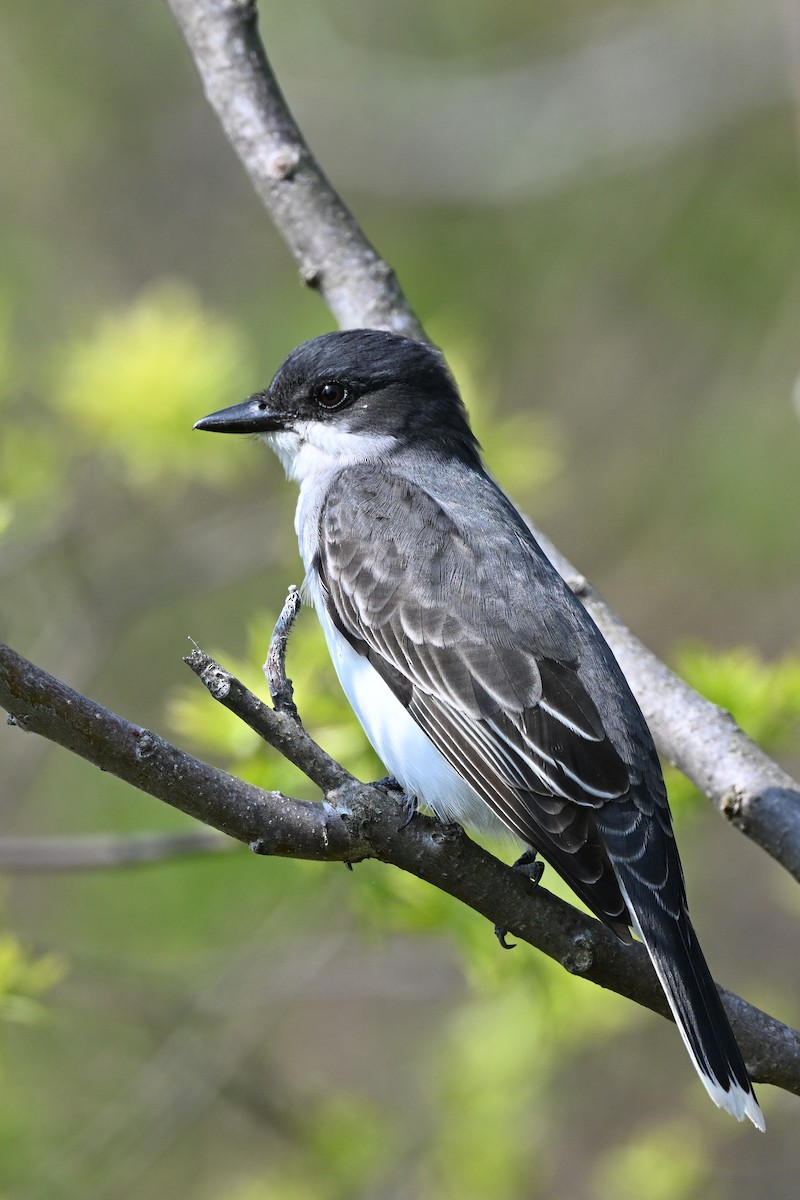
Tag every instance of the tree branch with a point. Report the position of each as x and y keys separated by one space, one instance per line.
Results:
x=744 y=783
x=106 y=851
x=283 y=731
x=39 y=703
x=359 y=821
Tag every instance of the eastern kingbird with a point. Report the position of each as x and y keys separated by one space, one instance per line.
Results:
x=481 y=681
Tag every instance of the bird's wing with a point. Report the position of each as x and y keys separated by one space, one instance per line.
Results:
x=482 y=644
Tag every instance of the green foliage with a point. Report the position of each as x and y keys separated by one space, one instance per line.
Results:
x=30 y=464
x=352 y=1142
x=497 y=1038
x=497 y=1070
x=763 y=697
x=665 y=1162
x=522 y=448
x=128 y=394
x=6 y=510
x=493 y=1077
x=5 y=355
x=137 y=383
x=23 y=980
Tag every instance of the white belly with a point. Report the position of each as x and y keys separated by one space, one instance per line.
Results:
x=407 y=752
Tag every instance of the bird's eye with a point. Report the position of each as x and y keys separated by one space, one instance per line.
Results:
x=331 y=394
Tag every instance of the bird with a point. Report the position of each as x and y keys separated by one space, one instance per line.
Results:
x=480 y=679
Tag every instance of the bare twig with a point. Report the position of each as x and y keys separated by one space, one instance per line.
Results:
x=278 y=682
x=360 y=821
x=743 y=782
x=277 y=728
x=107 y=851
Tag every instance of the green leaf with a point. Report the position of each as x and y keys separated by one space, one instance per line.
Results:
x=763 y=697
x=24 y=979
x=138 y=382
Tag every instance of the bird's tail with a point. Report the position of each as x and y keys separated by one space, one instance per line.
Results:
x=696 y=1006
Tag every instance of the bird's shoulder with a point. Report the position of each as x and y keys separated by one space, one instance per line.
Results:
x=364 y=496
x=434 y=573
x=438 y=506
x=448 y=540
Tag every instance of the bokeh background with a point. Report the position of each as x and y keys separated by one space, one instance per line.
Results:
x=595 y=208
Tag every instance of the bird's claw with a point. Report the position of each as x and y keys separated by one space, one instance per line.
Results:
x=532 y=867
x=409 y=812
x=501 y=935
x=529 y=865
x=390 y=784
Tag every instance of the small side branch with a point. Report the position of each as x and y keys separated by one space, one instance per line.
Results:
x=278 y=682
x=279 y=729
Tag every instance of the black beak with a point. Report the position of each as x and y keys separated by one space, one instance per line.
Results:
x=255 y=415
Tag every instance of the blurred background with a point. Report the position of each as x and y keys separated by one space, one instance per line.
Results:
x=595 y=208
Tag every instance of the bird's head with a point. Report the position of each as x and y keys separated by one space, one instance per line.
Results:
x=355 y=396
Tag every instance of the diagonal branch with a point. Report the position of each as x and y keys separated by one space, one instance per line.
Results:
x=39 y=703
x=331 y=250
x=280 y=729
x=359 y=821
x=361 y=290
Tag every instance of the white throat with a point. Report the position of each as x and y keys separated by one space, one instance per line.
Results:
x=314 y=448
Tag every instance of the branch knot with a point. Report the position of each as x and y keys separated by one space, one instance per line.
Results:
x=283 y=163
x=731 y=803
x=579 y=958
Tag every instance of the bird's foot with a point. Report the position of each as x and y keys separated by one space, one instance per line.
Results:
x=501 y=934
x=410 y=809
x=532 y=867
x=390 y=784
